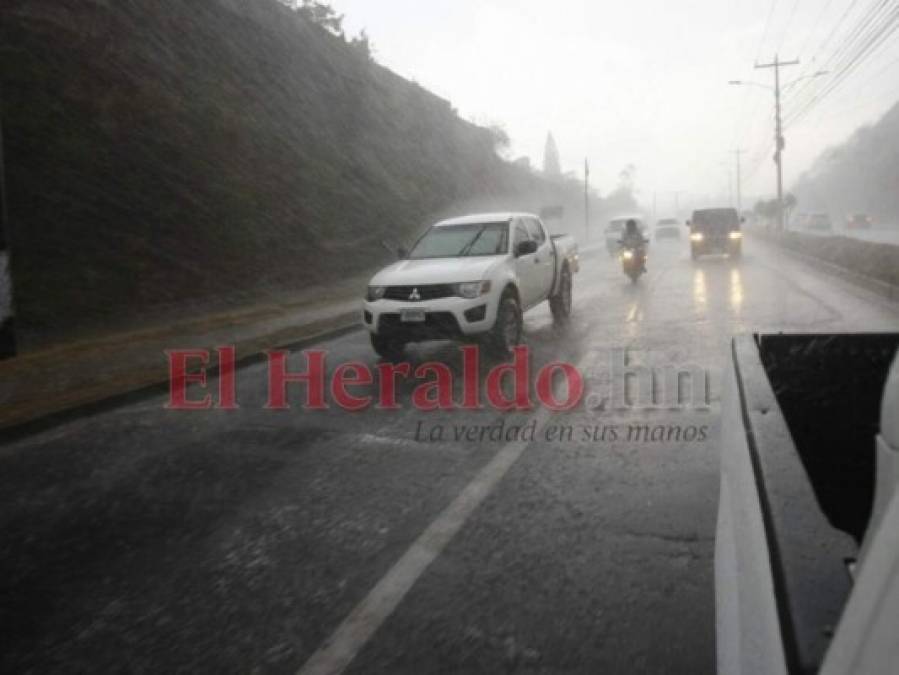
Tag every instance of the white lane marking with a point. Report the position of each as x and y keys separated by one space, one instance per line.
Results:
x=339 y=650
x=358 y=627
x=352 y=634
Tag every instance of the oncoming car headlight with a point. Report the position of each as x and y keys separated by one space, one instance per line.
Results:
x=472 y=289
x=696 y=236
x=736 y=235
x=375 y=293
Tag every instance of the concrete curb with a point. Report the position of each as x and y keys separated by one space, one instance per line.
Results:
x=156 y=385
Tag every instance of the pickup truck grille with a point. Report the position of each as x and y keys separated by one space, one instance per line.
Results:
x=419 y=293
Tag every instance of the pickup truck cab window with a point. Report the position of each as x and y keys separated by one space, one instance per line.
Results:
x=520 y=234
x=535 y=230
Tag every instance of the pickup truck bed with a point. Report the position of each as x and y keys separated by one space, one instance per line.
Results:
x=801 y=413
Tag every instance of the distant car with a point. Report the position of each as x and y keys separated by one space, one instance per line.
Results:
x=667 y=228
x=615 y=229
x=858 y=221
x=819 y=222
x=715 y=231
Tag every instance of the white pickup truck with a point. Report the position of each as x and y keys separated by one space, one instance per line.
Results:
x=470 y=278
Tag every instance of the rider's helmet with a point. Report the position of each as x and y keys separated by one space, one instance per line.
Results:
x=631 y=226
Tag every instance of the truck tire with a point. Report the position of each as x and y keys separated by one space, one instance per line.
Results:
x=506 y=331
x=389 y=349
x=560 y=303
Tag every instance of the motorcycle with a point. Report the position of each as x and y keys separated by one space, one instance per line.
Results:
x=632 y=261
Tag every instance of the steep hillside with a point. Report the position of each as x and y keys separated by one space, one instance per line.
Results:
x=861 y=175
x=173 y=155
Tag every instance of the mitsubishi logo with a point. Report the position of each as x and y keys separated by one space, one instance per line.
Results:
x=414 y=296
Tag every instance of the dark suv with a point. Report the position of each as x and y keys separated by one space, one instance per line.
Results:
x=715 y=231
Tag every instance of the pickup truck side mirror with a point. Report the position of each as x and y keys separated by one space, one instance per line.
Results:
x=402 y=253
x=525 y=248
x=742 y=219
x=687 y=223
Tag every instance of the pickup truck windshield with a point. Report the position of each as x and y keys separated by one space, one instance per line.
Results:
x=460 y=241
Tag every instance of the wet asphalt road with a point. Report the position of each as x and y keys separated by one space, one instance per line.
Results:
x=149 y=540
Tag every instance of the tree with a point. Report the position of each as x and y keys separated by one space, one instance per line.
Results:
x=362 y=43
x=790 y=203
x=551 y=165
x=627 y=177
x=319 y=13
x=767 y=208
x=500 y=138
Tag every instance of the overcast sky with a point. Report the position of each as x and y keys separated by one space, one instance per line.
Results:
x=642 y=82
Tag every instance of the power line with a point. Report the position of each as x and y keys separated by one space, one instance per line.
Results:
x=825 y=43
x=811 y=31
x=857 y=38
x=739 y=126
x=758 y=50
x=868 y=39
x=783 y=35
x=866 y=101
x=867 y=32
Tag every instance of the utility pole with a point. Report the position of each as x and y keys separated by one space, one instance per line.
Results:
x=586 y=199
x=730 y=181
x=7 y=326
x=737 y=154
x=779 y=144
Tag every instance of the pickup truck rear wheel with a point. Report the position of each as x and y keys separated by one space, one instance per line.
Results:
x=506 y=331
x=390 y=349
x=560 y=303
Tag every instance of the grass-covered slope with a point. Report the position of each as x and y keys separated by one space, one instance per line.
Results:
x=170 y=155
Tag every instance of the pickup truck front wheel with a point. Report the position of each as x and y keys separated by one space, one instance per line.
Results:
x=560 y=303
x=506 y=332
x=389 y=349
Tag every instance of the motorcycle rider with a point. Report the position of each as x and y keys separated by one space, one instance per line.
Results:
x=633 y=239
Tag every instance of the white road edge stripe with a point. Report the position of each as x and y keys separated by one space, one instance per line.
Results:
x=358 y=627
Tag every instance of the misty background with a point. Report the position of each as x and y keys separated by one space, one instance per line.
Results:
x=645 y=82
x=170 y=158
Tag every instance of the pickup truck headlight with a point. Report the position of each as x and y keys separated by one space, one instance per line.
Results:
x=696 y=236
x=736 y=235
x=472 y=289
x=375 y=293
